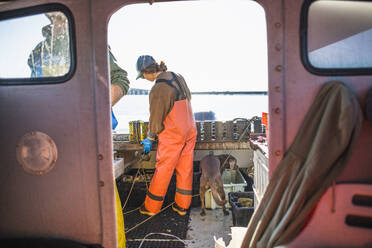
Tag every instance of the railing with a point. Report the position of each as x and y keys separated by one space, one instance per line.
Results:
x=261 y=175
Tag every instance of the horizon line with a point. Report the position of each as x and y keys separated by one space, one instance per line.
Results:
x=138 y=91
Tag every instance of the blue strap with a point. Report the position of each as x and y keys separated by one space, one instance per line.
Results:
x=114 y=121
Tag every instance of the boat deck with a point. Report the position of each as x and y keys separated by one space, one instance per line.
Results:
x=203 y=228
x=198 y=231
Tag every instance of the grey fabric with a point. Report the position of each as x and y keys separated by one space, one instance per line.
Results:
x=316 y=157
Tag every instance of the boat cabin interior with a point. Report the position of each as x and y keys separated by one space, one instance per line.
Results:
x=303 y=165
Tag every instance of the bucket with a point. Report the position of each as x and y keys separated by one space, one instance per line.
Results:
x=265 y=122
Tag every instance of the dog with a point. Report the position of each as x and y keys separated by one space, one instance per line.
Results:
x=211 y=179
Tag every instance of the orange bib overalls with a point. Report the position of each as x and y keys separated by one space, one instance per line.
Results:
x=175 y=151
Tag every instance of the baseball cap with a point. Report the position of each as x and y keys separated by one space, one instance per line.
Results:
x=143 y=62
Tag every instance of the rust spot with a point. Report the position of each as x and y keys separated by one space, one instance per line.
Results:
x=101 y=183
x=278 y=47
x=278 y=153
x=100 y=157
x=278 y=24
x=277 y=110
x=277 y=89
x=278 y=68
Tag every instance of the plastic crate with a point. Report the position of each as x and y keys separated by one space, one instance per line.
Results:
x=233 y=181
x=241 y=215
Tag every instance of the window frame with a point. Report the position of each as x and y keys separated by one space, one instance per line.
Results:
x=41 y=9
x=304 y=49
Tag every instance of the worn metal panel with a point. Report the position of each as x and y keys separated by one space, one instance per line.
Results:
x=292 y=90
x=275 y=45
x=301 y=87
x=100 y=13
x=327 y=227
x=64 y=202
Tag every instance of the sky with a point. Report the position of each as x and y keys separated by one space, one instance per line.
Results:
x=22 y=35
x=216 y=45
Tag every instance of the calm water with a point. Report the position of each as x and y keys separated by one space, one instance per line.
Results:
x=225 y=107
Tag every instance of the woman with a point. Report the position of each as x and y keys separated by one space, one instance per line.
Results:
x=172 y=122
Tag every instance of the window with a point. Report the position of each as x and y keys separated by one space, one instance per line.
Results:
x=36 y=48
x=337 y=37
x=219 y=47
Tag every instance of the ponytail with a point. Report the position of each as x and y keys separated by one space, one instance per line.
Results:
x=162 y=66
x=156 y=68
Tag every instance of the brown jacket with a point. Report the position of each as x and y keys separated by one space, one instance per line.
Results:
x=162 y=98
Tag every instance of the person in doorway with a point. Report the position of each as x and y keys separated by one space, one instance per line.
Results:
x=119 y=85
x=119 y=88
x=172 y=123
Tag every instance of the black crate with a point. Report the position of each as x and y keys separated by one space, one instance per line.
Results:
x=240 y=215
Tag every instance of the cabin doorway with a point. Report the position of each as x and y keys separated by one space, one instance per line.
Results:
x=220 y=48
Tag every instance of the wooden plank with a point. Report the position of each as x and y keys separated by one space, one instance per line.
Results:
x=127 y=146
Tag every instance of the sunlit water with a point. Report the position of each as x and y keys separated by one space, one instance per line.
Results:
x=225 y=107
